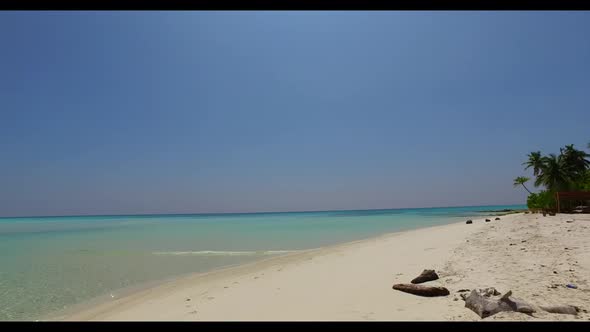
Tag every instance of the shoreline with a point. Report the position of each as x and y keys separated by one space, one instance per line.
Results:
x=352 y=281
x=169 y=276
x=129 y=295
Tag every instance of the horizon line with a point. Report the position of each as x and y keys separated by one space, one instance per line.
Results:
x=256 y=212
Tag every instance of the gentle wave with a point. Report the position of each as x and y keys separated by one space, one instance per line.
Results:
x=224 y=253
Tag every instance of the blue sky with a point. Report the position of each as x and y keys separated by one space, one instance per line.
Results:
x=178 y=112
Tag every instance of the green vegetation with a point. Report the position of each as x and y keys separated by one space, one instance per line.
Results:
x=542 y=201
x=568 y=171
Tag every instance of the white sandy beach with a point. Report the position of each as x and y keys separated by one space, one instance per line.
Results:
x=353 y=281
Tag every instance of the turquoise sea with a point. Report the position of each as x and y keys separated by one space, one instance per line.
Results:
x=50 y=263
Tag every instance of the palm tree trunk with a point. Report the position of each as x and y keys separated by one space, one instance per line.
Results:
x=525 y=188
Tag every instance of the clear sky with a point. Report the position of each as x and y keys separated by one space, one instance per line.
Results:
x=179 y=112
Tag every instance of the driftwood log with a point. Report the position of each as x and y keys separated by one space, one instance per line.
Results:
x=426 y=275
x=517 y=305
x=561 y=309
x=421 y=290
x=482 y=304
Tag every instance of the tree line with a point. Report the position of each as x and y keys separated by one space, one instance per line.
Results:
x=567 y=171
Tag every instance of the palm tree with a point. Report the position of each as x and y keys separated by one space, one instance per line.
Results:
x=575 y=161
x=535 y=161
x=554 y=173
x=520 y=181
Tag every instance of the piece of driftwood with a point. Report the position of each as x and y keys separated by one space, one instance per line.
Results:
x=482 y=303
x=421 y=290
x=490 y=291
x=561 y=309
x=426 y=275
x=487 y=292
x=516 y=304
x=484 y=306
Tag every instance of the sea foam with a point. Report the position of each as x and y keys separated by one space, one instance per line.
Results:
x=224 y=253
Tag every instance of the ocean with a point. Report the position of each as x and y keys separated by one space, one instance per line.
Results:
x=48 y=264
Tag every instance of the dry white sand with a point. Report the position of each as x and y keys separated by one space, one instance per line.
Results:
x=353 y=281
